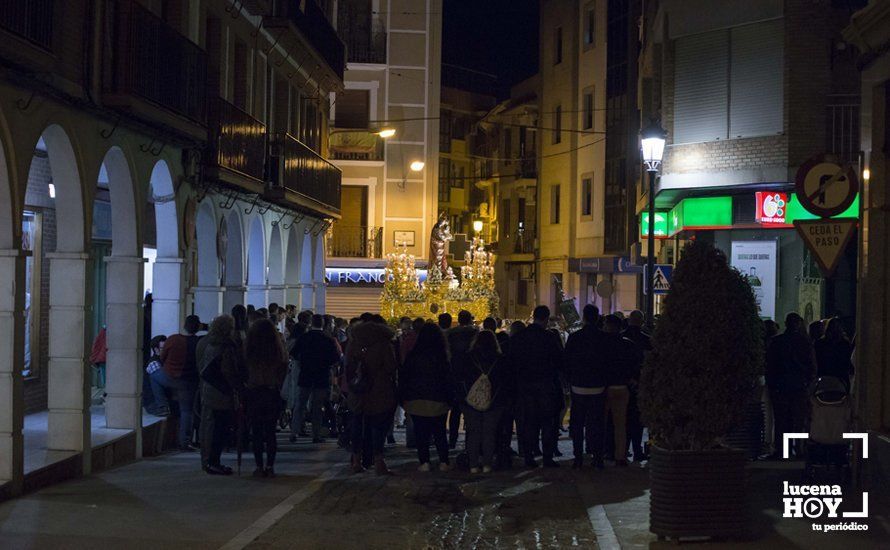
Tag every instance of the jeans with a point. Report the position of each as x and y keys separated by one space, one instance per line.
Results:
x=184 y=392
x=617 y=398
x=215 y=424
x=315 y=398
x=587 y=423
x=426 y=427
x=369 y=432
x=536 y=413
x=263 y=409
x=634 y=426
x=482 y=434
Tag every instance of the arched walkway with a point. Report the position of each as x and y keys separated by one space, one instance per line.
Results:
x=318 y=273
x=256 y=265
x=208 y=295
x=276 y=267
x=234 y=262
x=167 y=274
x=307 y=299
x=292 y=267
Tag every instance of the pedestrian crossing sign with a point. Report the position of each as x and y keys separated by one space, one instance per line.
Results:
x=661 y=278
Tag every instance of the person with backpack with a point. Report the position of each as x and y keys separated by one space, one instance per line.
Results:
x=371 y=367
x=425 y=388
x=219 y=360
x=487 y=395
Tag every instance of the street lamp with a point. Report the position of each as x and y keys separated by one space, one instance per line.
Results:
x=387 y=132
x=477 y=226
x=417 y=165
x=652 y=144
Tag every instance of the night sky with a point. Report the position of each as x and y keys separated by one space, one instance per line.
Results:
x=495 y=36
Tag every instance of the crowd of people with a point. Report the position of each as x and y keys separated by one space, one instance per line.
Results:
x=255 y=367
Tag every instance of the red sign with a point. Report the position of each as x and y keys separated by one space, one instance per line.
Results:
x=771 y=208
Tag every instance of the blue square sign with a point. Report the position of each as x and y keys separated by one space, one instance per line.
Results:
x=661 y=279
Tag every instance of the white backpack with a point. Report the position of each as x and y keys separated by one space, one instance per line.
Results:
x=479 y=396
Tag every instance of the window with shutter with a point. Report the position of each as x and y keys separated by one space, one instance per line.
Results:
x=701 y=87
x=755 y=104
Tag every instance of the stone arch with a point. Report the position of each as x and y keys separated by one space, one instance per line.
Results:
x=234 y=261
x=318 y=272
x=167 y=273
x=256 y=264
x=207 y=293
x=276 y=266
x=292 y=267
x=307 y=299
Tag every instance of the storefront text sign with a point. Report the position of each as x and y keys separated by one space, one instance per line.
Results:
x=360 y=277
x=771 y=208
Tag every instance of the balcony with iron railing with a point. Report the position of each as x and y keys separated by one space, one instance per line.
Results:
x=29 y=19
x=299 y=170
x=521 y=241
x=348 y=144
x=313 y=24
x=355 y=241
x=237 y=141
x=152 y=62
x=528 y=168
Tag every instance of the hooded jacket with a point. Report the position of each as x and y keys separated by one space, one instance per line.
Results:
x=584 y=358
x=372 y=345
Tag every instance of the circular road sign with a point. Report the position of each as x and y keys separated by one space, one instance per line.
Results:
x=826 y=188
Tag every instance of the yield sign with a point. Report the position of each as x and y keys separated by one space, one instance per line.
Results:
x=826 y=239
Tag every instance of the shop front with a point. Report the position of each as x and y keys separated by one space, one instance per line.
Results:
x=354 y=286
x=755 y=228
x=611 y=283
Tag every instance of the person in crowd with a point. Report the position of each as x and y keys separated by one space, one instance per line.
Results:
x=371 y=367
x=816 y=330
x=156 y=402
x=622 y=360
x=445 y=321
x=266 y=369
x=536 y=355
x=98 y=356
x=425 y=387
x=482 y=425
x=505 y=434
x=253 y=317
x=239 y=314
x=459 y=340
x=219 y=364
x=789 y=370
x=587 y=376
x=406 y=338
x=317 y=353
x=634 y=333
x=340 y=325
x=834 y=353
x=179 y=374
x=770 y=329
x=263 y=312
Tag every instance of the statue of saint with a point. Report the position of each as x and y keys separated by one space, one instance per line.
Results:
x=440 y=235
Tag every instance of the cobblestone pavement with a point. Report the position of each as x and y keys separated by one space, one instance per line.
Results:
x=519 y=508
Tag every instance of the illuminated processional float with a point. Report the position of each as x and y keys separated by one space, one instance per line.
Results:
x=405 y=296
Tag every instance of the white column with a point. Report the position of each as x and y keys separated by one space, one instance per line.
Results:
x=276 y=294
x=320 y=296
x=12 y=330
x=258 y=295
x=167 y=296
x=123 y=320
x=232 y=296
x=208 y=302
x=307 y=296
x=292 y=294
x=69 y=384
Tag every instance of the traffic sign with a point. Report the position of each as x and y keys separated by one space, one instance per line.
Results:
x=826 y=239
x=661 y=278
x=824 y=187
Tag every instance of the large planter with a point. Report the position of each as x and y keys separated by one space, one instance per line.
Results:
x=697 y=493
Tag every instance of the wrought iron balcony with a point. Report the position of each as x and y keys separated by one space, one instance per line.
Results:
x=30 y=19
x=355 y=241
x=299 y=170
x=237 y=140
x=528 y=168
x=151 y=60
x=369 y=47
x=524 y=241
x=315 y=26
x=355 y=145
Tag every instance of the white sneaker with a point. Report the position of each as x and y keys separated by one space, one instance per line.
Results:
x=474 y=470
x=443 y=467
x=486 y=469
x=425 y=467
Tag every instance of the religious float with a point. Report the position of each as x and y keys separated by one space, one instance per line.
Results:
x=442 y=292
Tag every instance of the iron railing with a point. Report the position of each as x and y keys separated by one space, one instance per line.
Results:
x=306 y=173
x=369 y=47
x=237 y=140
x=30 y=19
x=842 y=127
x=356 y=145
x=355 y=241
x=524 y=241
x=152 y=60
x=528 y=168
x=315 y=26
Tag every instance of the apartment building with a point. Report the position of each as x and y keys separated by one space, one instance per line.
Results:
x=384 y=136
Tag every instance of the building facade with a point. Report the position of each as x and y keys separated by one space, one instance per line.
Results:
x=747 y=94
x=392 y=82
x=178 y=148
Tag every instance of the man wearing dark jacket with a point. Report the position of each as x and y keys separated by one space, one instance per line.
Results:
x=536 y=356
x=622 y=358
x=459 y=340
x=587 y=377
x=634 y=332
x=790 y=366
x=317 y=353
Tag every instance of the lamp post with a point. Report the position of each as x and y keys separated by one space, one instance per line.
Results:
x=652 y=140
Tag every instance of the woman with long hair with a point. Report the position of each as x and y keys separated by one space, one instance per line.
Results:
x=266 y=369
x=482 y=422
x=425 y=392
x=834 y=353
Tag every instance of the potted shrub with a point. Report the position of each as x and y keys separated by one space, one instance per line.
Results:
x=707 y=352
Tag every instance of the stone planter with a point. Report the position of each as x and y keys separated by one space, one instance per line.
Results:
x=697 y=493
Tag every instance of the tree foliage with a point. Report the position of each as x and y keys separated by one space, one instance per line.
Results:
x=707 y=351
